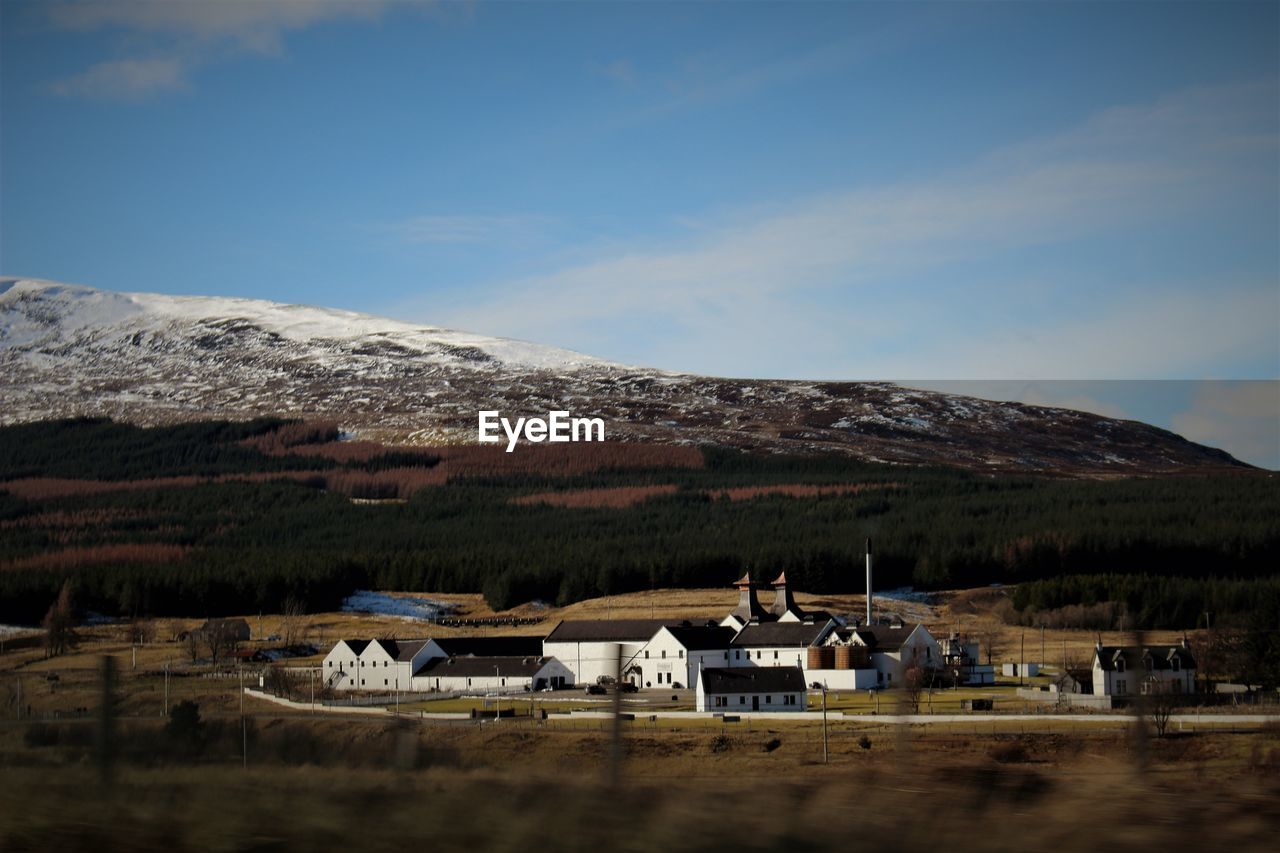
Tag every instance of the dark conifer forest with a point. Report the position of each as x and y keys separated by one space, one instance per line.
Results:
x=215 y=518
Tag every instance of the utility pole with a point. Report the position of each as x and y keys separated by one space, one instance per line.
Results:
x=19 y=677
x=824 y=722
x=1022 y=664
x=312 y=680
x=164 y=711
x=244 y=731
x=1042 y=644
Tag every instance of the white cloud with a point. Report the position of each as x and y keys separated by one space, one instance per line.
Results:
x=125 y=79
x=1243 y=418
x=255 y=25
x=810 y=288
x=168 y=39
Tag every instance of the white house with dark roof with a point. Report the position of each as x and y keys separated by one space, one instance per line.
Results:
x=498 y=673
x=892 y=649
x=1133 y=670
x=391 y=665
x=676 y=653
x=342 y=664
x=775 y=644
x=591 y=648
x=732 y=689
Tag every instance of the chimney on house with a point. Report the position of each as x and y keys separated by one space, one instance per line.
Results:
x=868 y=581
x=748 y=609
x=782 y=600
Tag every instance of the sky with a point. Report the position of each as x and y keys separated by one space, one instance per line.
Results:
x=1024 y=192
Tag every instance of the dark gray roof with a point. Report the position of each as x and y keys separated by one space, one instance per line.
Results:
x=401 y=650
x=779 y=634
x=356 y=646
x=701 y=637
x=605 y=630
x=471 y=667
x=483 y=647
x=1135 y=657
x=753 y=679
x=885 y=638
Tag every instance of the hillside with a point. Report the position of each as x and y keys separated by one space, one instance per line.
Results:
x=151 y=359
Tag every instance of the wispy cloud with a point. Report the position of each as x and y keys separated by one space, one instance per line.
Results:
x=1243 y=417
x=834 y=280
x=167 y=40
x=125 y=79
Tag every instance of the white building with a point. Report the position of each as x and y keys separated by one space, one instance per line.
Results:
x=676 y=653
x=960 y=659
x=1130 y=670
x=507 y=674
x=751 y=688
x=774 y=644
x=895 y=648
x=390 y=665
x=591 y=648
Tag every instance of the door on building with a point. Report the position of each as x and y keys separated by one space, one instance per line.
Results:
x=755 y=703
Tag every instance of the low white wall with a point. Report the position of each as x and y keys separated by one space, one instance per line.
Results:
x=842 y=679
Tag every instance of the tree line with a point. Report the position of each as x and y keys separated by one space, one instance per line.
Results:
x=248 y=546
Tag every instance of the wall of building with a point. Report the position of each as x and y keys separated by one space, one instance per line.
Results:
x=589 y=660
x=842 y=679
x=736 y=702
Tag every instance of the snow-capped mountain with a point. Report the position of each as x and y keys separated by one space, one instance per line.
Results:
x=149 y=358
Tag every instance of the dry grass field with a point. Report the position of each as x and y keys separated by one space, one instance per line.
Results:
x=281 y=779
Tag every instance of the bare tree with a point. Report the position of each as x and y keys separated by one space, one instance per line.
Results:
x=293 y=610
x=990 y=642
x=913 y=683
x=1160 y=706
x=59 y=623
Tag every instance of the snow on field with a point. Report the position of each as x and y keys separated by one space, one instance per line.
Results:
x=12 y=630
x=381 y=604
x=907 y=593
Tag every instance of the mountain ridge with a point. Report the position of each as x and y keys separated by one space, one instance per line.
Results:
x=151 y=358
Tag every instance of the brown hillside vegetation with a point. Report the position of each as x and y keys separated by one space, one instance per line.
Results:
x=799 y=490
x=615 y=498
x=69 y=558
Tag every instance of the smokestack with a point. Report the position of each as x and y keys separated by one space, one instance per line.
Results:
x=868 y=580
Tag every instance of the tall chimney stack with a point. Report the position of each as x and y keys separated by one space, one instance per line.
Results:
x=868 y=580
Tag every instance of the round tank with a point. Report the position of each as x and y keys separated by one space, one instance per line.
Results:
x=844 y=657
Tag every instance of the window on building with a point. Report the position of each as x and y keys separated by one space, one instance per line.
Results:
x=1121 y=687
x=737 y=655
x=330 y=664
x=775 y=655
x=742 y=700
x=384 y=682
x=664 y=654
x=1120 y=665
x=757 y=654
x=726 y=655
x=680 y=654
x=646 y=654
x=768 y=700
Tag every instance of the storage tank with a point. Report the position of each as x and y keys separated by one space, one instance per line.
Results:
x=844 y=657
x=822 y=657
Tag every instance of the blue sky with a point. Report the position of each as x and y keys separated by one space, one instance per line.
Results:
x=961 y=191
